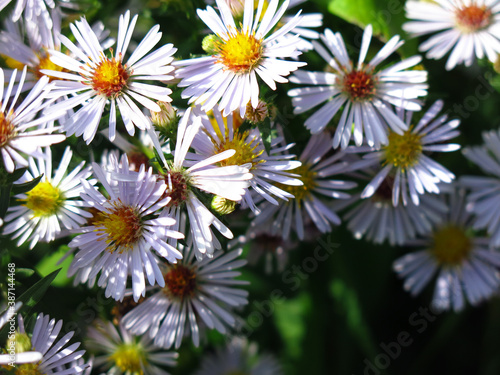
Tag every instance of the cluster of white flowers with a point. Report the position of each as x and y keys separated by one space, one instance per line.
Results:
x=155 y=212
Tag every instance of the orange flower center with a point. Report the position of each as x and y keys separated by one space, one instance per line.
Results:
x=177 y=188
x=472 y=18
x=241 y=53
x=122 y=226
x=7 y=130
x=180 y=282
x=359 y=85
x=110 y=77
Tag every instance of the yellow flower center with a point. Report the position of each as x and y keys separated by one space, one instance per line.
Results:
x=110 y=77
x=12 y=63
x=308 y=178
x=359 y=85
x=180 y=282
x=7 y=129
x=451 y=246
x=129 y=358
x=246 y=150
x=28 y=369
x=245 y=147
x=241 y=53
x=403 y=151
x=472 y=18
x=122 y=226
x=44 y=199
x=45 y=63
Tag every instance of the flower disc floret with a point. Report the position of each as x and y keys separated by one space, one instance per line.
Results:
x=403 y=151
x=308 y=178
x=451 y=245
x=473 y=18
x=245 y=147
x=47 y=64
x=177 y=187
x=28 y=369
x=359 y=85
x=110 y=77
x=241 y=53
x=44 y=199
x=129 y=358
x=122 y=226
x=7 y=130
x=180 y=282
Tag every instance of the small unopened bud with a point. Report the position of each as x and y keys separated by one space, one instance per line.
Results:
x=209 y=44
x=237 y=7
x=165 y=121
x=259 y=114
x=165 y=117
x=222 y=205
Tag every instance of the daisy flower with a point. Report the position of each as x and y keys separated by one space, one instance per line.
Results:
x=467 y=28
x=404 y=160
x=52 y=203
x=364 y=90
x=239 y=357
x=223 y=133
x=483 y=200
x=229 y=182
x=119 y=352
x=20 y=131
x=316 y=174
x=40 y=353
x=467 y=269
x=124 y=229
x=197 y=294
x=94 y=79
x=229 y=75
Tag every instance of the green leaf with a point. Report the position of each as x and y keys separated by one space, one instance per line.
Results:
x=359 y=12
x=17 y=174
x=51 y=262
x=346 y=298
x=290 y=319
x=4 y=199
x=386 y=17
x=265 y=132
x=26 y=186
x=35 y=293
